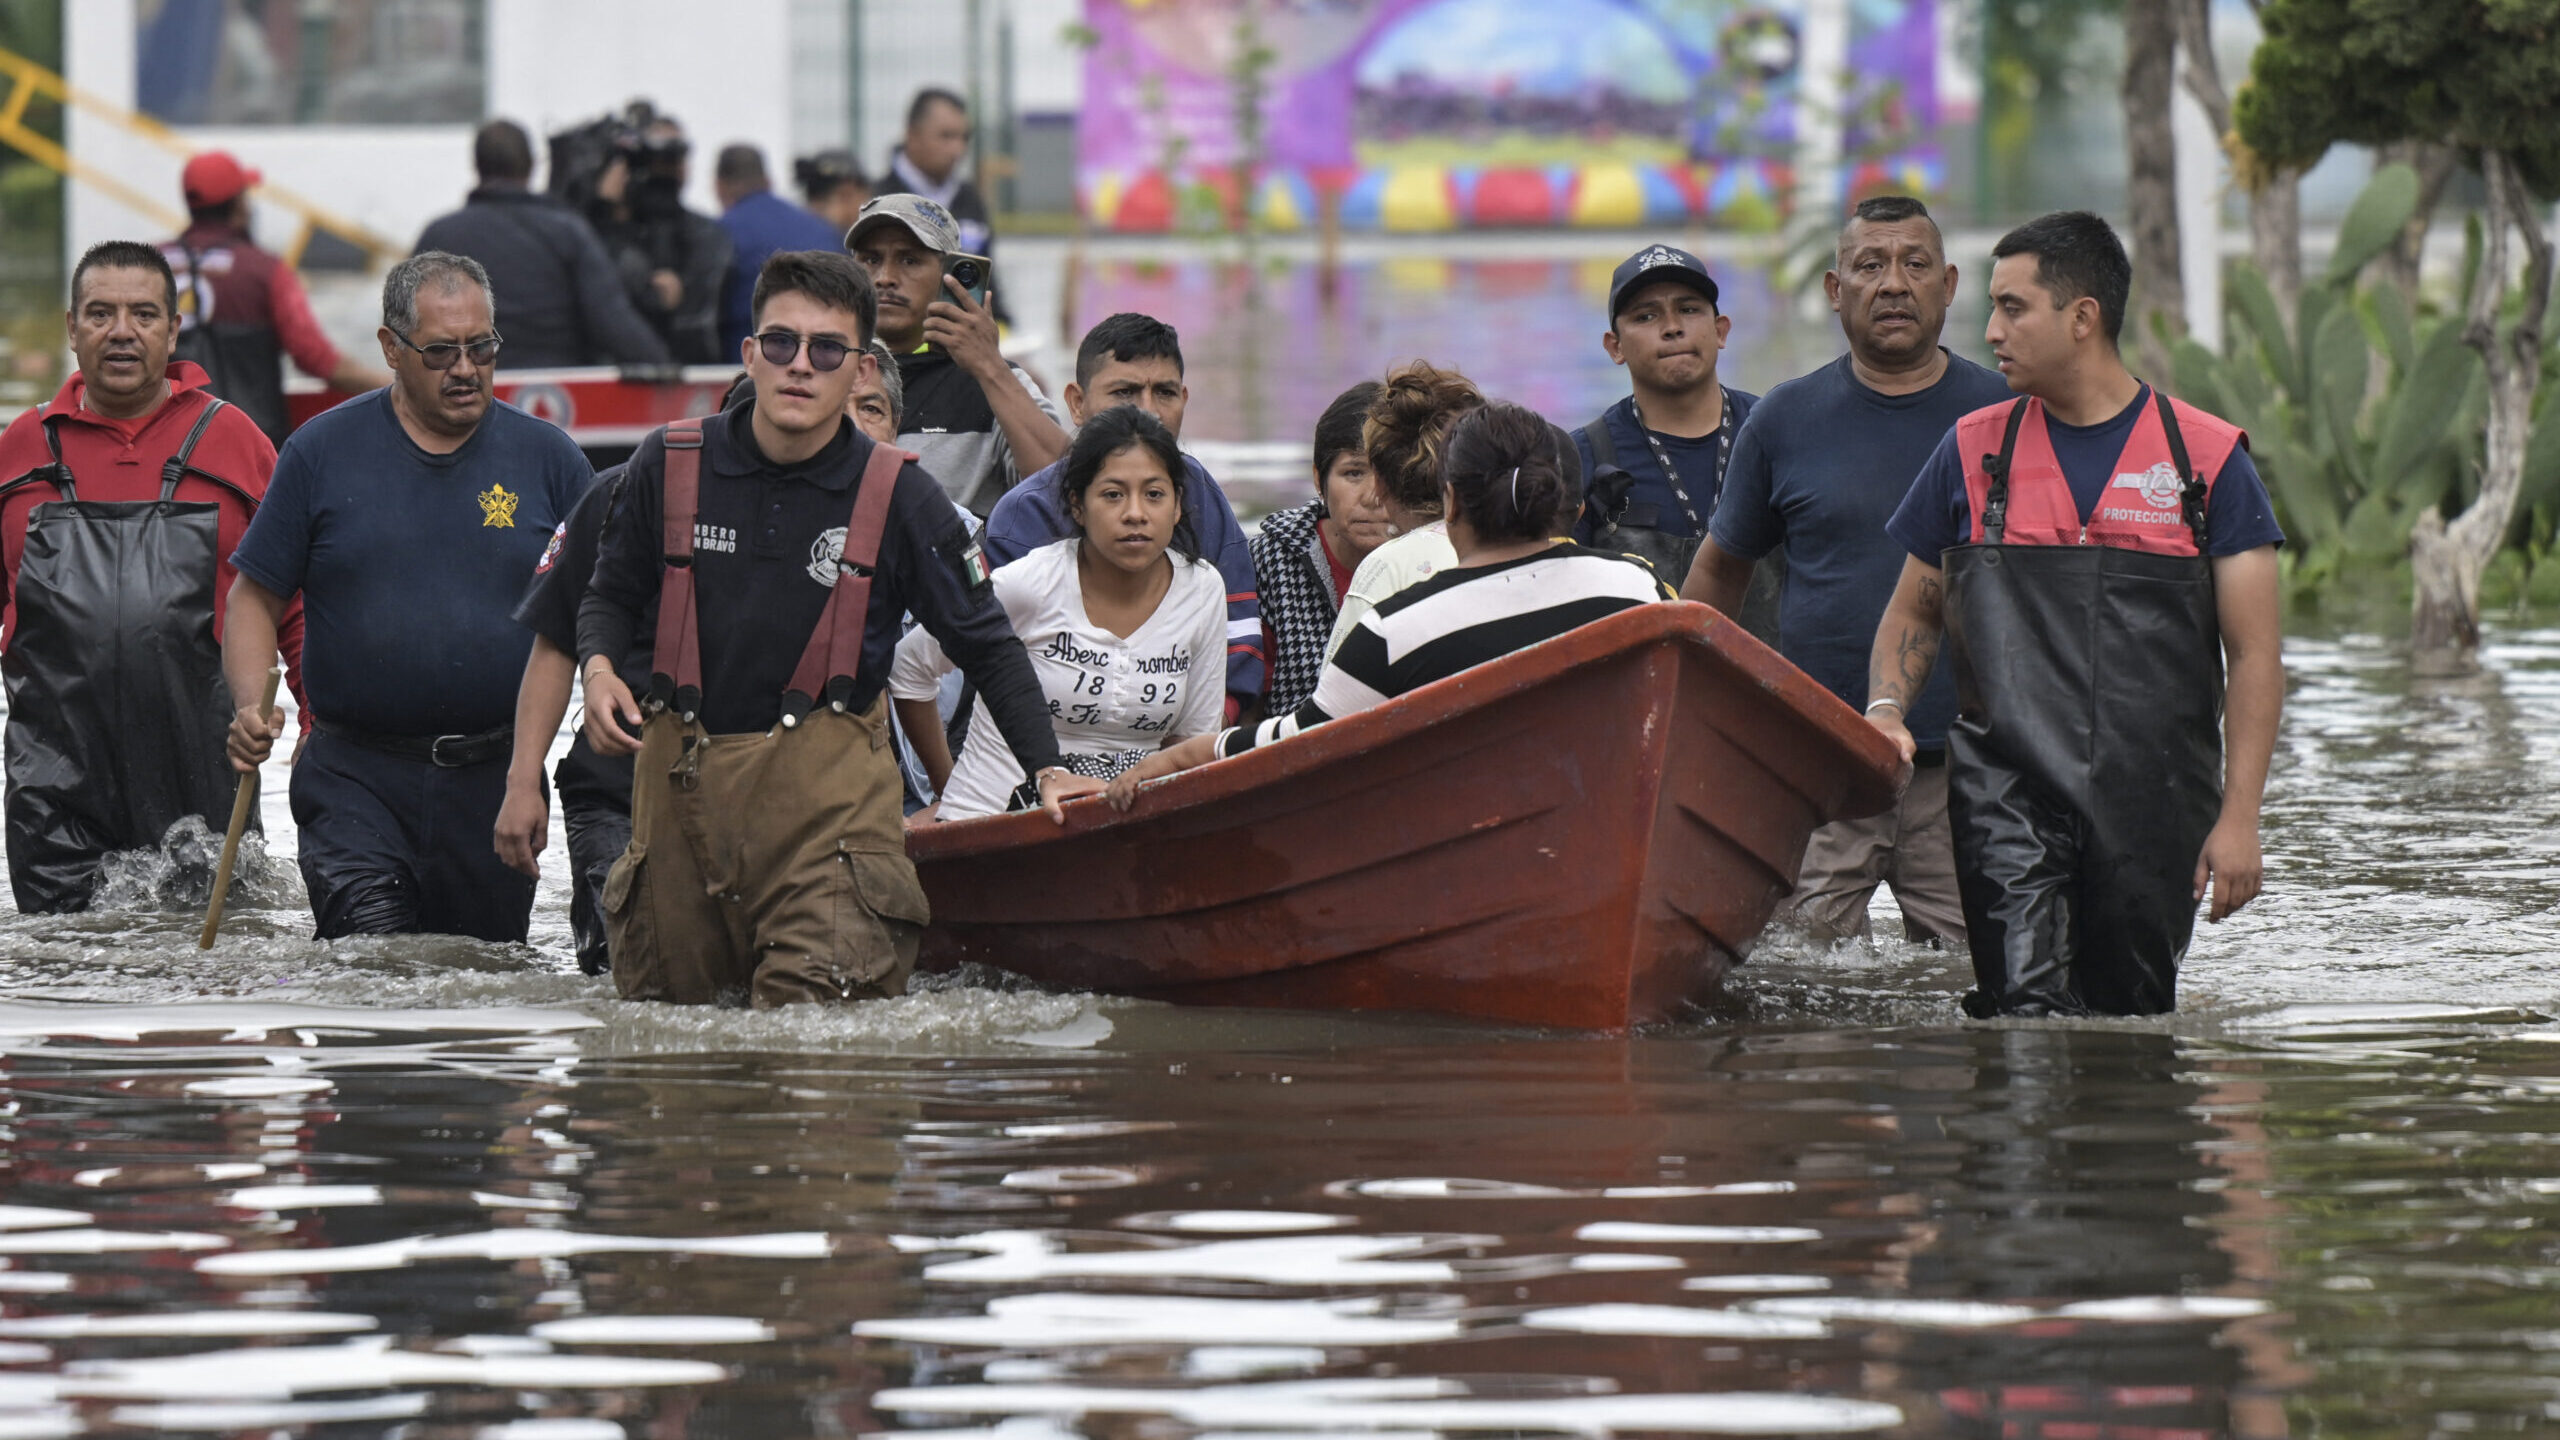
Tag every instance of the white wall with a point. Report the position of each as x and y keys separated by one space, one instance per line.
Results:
x=725 y=69
x=782 y=74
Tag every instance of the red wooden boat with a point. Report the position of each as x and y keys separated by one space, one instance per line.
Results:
x=1585 y=834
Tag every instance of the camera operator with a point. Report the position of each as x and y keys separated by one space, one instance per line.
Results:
x=674 y=262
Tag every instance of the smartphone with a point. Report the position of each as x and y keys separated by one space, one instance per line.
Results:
x=972 y=271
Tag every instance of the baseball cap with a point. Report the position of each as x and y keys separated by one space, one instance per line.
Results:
x=932 y=225
x=1659 y=262
x=215 y=177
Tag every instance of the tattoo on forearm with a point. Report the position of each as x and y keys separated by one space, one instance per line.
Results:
x=1915 y=654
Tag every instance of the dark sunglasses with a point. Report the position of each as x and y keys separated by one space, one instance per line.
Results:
x=441 y=355
x=781 y=347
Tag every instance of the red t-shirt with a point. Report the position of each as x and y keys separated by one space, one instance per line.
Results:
x=114 y=459
x=1341 y=572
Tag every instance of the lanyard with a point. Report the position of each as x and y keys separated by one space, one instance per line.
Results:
x=1671 y=473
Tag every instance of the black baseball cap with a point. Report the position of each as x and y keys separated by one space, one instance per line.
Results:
x=1659 y=262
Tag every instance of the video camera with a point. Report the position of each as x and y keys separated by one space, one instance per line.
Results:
x=653 y=151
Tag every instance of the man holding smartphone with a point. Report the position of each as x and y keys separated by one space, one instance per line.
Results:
x=976 y=420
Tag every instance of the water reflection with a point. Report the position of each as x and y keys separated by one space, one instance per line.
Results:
x=1927 y=1231
x=454 y=1190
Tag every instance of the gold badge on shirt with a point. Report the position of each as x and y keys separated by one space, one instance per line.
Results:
x=497 y=508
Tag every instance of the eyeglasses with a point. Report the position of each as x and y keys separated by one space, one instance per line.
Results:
x=442 y=354
x=781 y=347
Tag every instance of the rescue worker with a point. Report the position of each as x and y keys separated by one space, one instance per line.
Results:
x=595 y=790
x=409 y=520
x=1653 y=463
x=768 y=853
x=242 y=310
x=127 y=492
x=2095 y=554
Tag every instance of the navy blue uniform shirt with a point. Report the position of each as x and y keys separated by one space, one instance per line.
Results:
x=766 y=537
x=409 y=563
x=1937 y=515
x=1030 y=515
x=1818 y=469
x=1650 y=503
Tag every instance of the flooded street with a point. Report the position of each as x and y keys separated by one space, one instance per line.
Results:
x=437 y=1189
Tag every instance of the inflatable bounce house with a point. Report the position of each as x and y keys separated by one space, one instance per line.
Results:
x=1440 y=115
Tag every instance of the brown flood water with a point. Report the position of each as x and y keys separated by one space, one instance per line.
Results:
x=432 y=1189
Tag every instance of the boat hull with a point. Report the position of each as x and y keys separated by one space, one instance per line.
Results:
x=1585 y=834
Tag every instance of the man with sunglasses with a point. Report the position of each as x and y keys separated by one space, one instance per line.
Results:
x=408 y=521
x=780 y=544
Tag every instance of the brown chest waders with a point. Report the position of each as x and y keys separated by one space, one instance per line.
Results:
x=2085 y=762
x=768 y=867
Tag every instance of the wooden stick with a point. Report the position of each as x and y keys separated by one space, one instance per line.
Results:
x=240 y=807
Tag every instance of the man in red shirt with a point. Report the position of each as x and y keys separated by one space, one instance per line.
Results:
x=121 y=500
x=240 y=309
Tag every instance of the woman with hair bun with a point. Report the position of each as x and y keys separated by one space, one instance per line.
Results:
x=1406 y=436
x=1504 y=495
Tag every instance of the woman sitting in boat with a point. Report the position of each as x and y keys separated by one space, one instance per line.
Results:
x=1405 y=435
x=1304 y=556
x=1116 y=618
x=1503 y=492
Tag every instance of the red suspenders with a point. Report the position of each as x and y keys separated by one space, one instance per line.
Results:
x=834 y=654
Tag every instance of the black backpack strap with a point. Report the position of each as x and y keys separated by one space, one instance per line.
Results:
x=2191 y=490
x=1605 y=488
x=1995 y=504
x=1604 y=450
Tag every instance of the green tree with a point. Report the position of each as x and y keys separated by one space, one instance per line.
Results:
x=2483 y=76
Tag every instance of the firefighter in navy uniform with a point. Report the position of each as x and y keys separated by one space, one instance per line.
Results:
x=2095 y=555
x=123 y=496
x=768 y=853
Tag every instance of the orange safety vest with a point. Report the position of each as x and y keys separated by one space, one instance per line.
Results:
x=2144 y=506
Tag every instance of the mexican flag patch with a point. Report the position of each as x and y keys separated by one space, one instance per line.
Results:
x=973 y=564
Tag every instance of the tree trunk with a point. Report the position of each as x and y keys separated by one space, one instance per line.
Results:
x=2275 y=209
x=2447 y=561
x=2151 y=177
x=2275 y=236
x=2435 y=165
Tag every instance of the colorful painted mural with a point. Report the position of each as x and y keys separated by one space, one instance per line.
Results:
x=1431 y=115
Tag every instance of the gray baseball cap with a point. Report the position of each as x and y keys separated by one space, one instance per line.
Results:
x=932 y=225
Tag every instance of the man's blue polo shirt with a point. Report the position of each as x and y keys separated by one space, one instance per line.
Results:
x=410 y=564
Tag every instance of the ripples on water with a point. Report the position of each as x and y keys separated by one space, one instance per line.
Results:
x=437 y=1189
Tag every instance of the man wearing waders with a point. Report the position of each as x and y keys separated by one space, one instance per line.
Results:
x=768 y=854
x=122 y=497
x=2095 y=555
